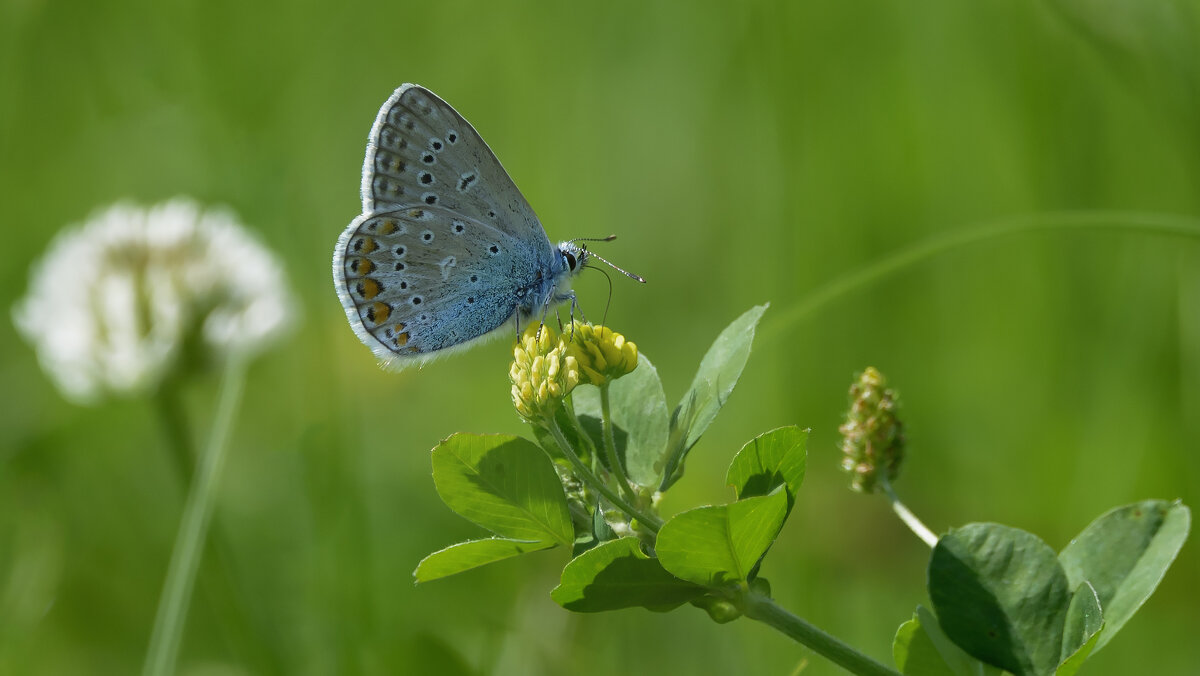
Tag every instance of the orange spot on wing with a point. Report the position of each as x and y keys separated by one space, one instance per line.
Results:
x=369 y=288
x=379 y=312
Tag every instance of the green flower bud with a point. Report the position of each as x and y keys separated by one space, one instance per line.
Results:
x=872 y=436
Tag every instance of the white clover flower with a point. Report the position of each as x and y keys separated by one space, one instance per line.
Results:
x=112 y=303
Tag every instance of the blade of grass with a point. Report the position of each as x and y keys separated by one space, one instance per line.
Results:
x=1149 y=223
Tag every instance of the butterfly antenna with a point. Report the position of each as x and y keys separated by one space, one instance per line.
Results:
x=608 y=302
x=593 y=239
x=605 y=260
x=620 y=270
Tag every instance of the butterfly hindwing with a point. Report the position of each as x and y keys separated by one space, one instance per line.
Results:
x=415 y=280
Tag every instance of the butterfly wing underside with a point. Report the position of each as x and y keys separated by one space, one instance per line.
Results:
x=445 y=240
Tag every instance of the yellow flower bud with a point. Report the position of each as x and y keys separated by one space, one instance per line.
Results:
x=601 y=353
x=542 y=373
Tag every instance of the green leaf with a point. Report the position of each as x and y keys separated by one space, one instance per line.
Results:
x=616 y=575
x=639 y=409
x=717 y=546
x=718 y=374
x=1001 y=595
x=1082 y=629
x=921 y=649
x=772 y=459
x=472 y=554
x=959 y=661
x=505 y=484
x=915 y=654
x=596 y=533
x=1124 y=554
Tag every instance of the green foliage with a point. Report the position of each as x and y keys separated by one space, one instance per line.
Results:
x=922 y=649
x=472 y=554
x=1003 y=596
x=714 y=382
x=1000 y=594
x=505 y=484
x=581 y=432
x=719 y=546
x=509 y=486
x=772 y=459
x=1085 y=620
x=616 y=575
x=639 y=412
x=1124 y=554
x=914 y=653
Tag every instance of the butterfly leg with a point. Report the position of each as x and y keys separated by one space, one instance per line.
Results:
x=558 y=298
x=574 y=306
x=546 y=311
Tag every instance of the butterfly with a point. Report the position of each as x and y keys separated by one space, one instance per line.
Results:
x=446 y=250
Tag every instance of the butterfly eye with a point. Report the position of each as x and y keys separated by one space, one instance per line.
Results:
x=571 y=262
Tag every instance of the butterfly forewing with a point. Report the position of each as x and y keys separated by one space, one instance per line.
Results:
x=422 y=152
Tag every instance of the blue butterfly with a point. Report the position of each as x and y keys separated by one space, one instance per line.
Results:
x=446 y=250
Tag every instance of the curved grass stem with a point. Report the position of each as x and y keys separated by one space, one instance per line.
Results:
x=1167 y=225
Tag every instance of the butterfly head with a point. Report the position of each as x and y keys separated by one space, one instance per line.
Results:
x=575 y=256
x=572 y=256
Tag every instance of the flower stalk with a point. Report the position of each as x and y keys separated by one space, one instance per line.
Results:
x=610 y=448
x=197 y=514
x=905 y=514
x=765 y=610
x=648 y=521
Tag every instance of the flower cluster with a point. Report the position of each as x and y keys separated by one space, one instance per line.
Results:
x=602 y=354
x=542 y=372
x=872 y=436
x=112 y=304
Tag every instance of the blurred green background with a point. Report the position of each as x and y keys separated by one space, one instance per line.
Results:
x=744 y=152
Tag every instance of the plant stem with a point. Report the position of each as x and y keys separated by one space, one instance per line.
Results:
x=914 y=524
x=649 y=521
x=580 y=433
x=610 y=447
x=174 y=423
x=218 y=583
x=765 y=610
x=197 y=512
